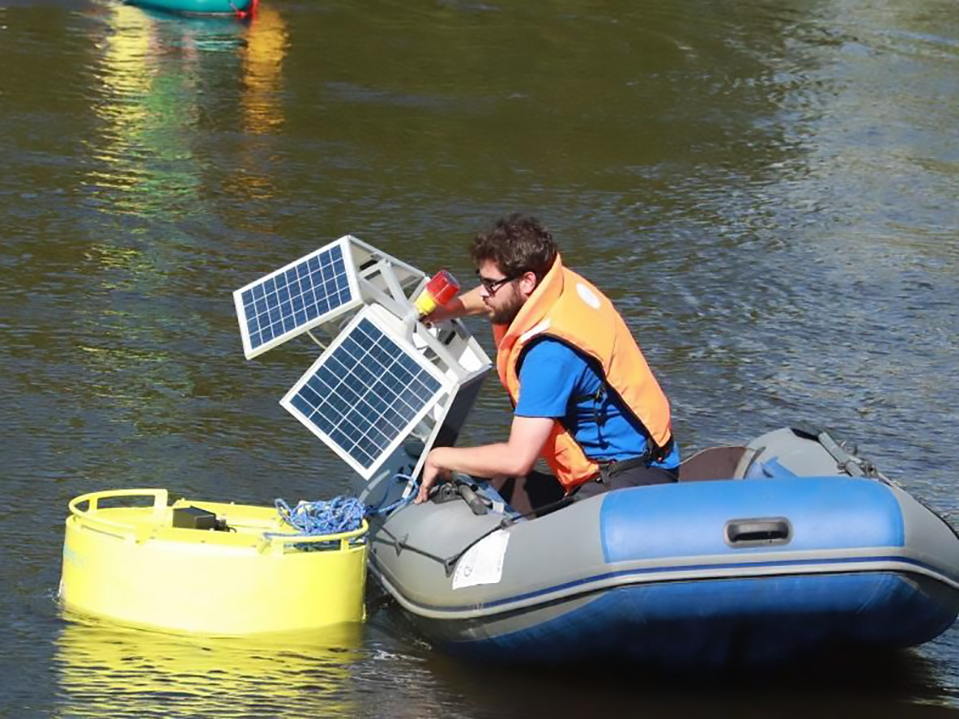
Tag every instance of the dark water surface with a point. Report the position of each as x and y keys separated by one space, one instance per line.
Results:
x=770 y=192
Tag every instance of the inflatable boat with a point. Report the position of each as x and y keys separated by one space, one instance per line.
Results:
x=761 y=553
x=200 y=8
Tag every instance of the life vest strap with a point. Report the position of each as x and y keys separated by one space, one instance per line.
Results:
x=652 y=454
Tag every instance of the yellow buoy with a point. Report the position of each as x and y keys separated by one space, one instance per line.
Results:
x=159 y=566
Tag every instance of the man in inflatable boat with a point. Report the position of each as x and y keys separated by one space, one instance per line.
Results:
x=585 y=399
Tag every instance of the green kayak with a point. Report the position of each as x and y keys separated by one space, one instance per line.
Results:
x=237 y=8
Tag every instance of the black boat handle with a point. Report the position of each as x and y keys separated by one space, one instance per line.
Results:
x=472 y=499
x=758 y=532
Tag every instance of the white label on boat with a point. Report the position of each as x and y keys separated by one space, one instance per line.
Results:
x=483 y=562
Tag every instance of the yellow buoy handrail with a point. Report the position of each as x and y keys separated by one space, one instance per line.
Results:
x=88 y=515
x=344 y=538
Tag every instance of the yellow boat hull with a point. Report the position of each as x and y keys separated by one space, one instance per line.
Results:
x=131 y=565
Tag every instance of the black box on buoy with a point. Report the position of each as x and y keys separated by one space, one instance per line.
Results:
x=194 y=518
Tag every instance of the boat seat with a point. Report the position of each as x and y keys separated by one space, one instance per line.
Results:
x=715 y=463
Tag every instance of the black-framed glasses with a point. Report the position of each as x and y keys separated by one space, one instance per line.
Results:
x=492 y=285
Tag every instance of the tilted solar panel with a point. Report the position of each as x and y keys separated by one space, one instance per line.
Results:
x=365 y=394
x=297 y=297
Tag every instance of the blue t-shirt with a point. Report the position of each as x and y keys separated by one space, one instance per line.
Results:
x=558 y=382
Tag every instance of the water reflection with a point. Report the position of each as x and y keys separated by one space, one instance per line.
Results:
x=267 y=42
x=266 y=46
x=880 y=685
x=185 y=112
x=104 y=670
x=152 y=71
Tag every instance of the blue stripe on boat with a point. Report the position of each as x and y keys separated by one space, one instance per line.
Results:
x=642 y=524
x=797 y=565
x=727 y=621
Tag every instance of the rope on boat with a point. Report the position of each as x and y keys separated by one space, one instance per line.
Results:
x=409 y=494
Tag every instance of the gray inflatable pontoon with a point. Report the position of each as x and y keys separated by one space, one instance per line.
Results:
x=759 y=553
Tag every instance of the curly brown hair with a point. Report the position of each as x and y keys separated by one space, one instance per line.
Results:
x=517 y=244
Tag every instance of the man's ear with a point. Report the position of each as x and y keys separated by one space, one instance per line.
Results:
x=527 y=283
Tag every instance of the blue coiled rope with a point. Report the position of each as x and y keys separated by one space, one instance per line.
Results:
x=337 y=515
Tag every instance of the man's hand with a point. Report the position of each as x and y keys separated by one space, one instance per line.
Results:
x=442 y=313
x=468 y=304
x=514 y=458
x=431 y=472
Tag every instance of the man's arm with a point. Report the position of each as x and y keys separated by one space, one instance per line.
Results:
x=513 y=458
x=467 y=304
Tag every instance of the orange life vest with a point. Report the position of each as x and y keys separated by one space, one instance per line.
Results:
x=569 y=308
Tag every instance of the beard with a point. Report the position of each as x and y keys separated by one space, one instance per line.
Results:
x=506 y=314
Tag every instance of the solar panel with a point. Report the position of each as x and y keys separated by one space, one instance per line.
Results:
x=366 y=393
x=297 y=297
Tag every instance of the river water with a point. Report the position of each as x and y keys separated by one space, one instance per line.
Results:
x=769 y=191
